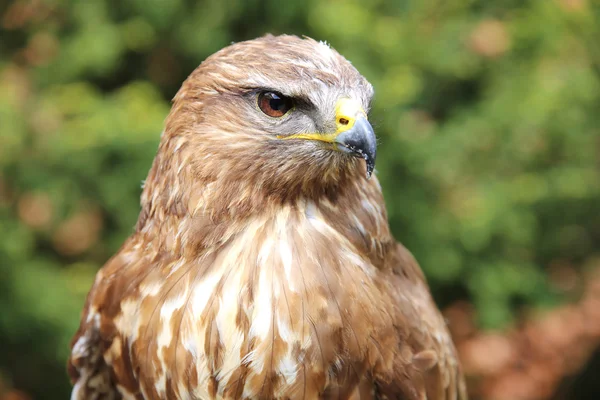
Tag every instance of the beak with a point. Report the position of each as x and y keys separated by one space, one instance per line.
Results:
x=355 y=134
x=360 y=141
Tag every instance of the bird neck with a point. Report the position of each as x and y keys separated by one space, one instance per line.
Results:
x=181 y=212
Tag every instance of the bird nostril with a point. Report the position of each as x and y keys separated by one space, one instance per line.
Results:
x=343 y=121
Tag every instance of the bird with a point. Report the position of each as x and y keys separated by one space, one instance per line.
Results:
x=262 y=265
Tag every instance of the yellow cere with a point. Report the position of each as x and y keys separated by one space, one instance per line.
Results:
x=346 y=112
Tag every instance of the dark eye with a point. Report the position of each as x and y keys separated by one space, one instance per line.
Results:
x=274 y=104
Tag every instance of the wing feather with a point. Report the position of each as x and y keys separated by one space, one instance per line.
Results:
x=433 y=370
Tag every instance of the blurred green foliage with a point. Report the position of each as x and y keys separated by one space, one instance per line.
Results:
x=487 y=113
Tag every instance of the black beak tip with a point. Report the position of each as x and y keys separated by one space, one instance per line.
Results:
x=370 y=167
x=368 y=156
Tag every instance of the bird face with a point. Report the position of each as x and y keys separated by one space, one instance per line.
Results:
x=353 y=133
x=291 y=111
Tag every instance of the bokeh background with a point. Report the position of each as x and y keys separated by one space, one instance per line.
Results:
x=488 y=113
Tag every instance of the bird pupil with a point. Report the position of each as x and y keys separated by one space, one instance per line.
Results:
x=277 y=104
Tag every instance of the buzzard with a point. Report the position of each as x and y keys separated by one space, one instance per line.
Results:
x=262 y=265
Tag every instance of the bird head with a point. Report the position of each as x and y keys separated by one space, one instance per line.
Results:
x=282 y=114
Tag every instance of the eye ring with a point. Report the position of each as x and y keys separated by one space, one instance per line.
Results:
x=274 y=104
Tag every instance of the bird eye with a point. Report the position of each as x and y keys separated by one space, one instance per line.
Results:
x=274 y=104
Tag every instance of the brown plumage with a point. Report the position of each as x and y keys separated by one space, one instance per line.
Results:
x=262 y=265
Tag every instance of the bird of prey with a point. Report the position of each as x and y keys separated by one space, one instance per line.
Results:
x=262 y=265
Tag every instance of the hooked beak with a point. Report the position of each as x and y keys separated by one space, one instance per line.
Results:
x=354 y=133
x=359 y=141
